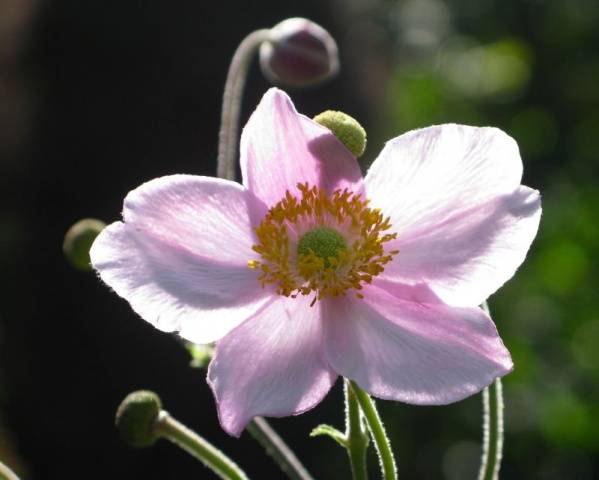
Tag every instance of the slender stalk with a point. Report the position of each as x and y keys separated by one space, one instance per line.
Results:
x=356 y=435
x=227 y=153
x=492 y=427
x=171 y=429
x=234 y=86
x=377 y=431
x=6 y=473
x=492 y=431
x=277 y=449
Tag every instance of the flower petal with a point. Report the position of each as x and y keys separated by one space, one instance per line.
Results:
x=425 y=354
x=470 y=255
x=454 y=197
x=425 y=176
x=180 y=258
x=271 y=365
x=281 y=148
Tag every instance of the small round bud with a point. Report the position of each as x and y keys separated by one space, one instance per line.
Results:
x=299 y=53
x=136 y=417
x=78 y=240
x=345 y=128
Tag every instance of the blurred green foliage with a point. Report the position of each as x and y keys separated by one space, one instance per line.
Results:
x=532 y=69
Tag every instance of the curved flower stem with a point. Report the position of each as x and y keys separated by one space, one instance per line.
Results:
x=227 y=153
x=277 y=449
x=6 y=473
x=356 y=436
x=171 y=429
x=377 y=431
x=229 y=122
x=492 y=428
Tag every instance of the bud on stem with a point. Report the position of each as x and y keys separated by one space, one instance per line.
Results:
x=299 y=53
x=78 y=240
x=141 y=421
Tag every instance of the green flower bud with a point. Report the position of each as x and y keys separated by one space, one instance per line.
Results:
x=78 y=240
x=136 y=418
x=299 y=53
x=345 y=128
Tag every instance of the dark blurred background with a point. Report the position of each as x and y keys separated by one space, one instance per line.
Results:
x=97 y=97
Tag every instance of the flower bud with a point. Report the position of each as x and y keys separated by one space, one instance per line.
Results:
x=136 y=418
x=78 y=240
x=345 y=128
x=299 y=53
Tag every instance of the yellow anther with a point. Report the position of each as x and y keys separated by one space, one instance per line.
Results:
x=321 y=244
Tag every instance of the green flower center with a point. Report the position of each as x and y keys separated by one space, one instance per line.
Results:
x=324 y=242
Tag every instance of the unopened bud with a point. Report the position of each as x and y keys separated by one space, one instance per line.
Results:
x=299 y=53
x=345 y=128
x=78 y=240
x=136 y=418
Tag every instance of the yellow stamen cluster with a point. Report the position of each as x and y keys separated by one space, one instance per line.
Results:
x=294 y=272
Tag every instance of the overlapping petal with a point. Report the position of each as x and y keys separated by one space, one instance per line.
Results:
x=454 y=197
x=180 y=258
x=464 y=225
x=273 y=364
x=280 y=148
x=470 y=255
x=419 y=353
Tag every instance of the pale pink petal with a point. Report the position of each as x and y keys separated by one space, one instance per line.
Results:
x=425 y=176
x=208 y=216
x=180 y=258
x=470 y=255
x=281 y=148
x=454 y=198
x=273 y=365
x=425 y=354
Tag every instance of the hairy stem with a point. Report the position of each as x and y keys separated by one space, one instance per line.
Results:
x=6 y=473
x=277 y=449
x=356 y=435
x=234 y=86
x=492 y=431
x=377 y=432
x=171 y=429
x=492 y=428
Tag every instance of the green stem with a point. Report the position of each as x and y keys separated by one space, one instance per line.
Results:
x=356 y=435
x=492 y=427
x=166 y=426
x=227 y=153
x=229 y=123
x=377 y=431
x=277 y=449
x=492 y=431
x=6 y=473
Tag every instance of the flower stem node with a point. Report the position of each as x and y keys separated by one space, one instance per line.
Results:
x=299 y=53
x=78 y=240
x=136 y=418
x=346 y=129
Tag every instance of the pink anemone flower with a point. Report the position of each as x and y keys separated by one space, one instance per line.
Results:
x=307 y=270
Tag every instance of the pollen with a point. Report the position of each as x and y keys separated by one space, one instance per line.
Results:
x=322 y=245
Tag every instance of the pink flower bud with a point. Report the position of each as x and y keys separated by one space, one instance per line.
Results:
x=299 y=53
